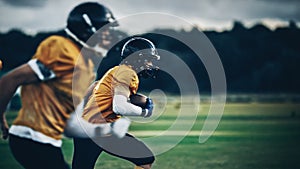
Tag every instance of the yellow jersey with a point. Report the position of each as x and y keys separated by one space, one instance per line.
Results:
x=46 y=105
x=98 y=108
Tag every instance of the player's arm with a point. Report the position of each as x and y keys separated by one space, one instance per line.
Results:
x=31 y=72
x=123 y=107
x=8 y=86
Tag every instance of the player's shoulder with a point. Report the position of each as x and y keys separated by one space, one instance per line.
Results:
x=56 y=40
x=127 y=75
x=125 y=69
x=123 y=72
x=56 y=48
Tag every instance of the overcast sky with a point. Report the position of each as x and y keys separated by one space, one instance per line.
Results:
x=50 y=15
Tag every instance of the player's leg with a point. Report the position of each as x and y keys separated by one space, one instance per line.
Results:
x=128 y=148
x=86 y=153
x=20 y=150
x=34 y=155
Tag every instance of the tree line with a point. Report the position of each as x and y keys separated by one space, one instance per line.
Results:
x=255 y=60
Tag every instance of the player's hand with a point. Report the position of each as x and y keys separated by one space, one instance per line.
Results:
x=149 y=106
x=4 y=128
x=0 y=64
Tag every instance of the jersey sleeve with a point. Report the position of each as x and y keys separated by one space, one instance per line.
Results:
x=57 y=54
x=42 y=72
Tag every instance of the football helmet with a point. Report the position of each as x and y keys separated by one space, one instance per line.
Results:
x=84 y=21
x=142 y=55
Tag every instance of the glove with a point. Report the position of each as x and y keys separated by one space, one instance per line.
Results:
x=0 y=64
x=4 y=128
x=149 y=107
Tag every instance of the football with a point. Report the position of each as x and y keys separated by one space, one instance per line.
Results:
x=138 y=100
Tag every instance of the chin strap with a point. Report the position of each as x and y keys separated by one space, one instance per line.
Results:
x=97 y=49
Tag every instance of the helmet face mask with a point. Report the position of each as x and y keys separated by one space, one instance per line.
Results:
x=141 y=54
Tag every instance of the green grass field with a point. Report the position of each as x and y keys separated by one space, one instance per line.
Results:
x=249 y=136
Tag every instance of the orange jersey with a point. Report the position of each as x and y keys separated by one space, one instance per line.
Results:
x=46 y=105
x=99 y=106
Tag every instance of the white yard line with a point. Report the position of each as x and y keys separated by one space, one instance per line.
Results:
x=181 y=133
x=148 y=133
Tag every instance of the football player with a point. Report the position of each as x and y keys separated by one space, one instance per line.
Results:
x=108 y=103
x=46 y=94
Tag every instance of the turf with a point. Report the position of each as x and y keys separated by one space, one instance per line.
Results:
x=249 y=136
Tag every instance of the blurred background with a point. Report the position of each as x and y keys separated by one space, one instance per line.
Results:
x=257 y=40
x=258 y=44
